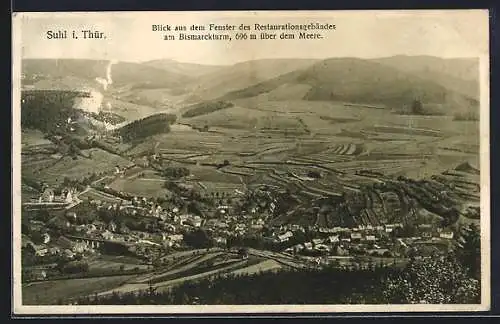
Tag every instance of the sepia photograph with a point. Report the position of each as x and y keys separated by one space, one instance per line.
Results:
x=251 y=162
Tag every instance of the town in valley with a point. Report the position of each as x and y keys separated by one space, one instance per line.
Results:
x=156 y=180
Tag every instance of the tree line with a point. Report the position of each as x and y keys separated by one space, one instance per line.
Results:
x=205 y=108
x=148 y=126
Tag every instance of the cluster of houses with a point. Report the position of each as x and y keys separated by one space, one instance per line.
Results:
x=87 y=240
x=370 y=233
x=48 y=196
x=234 y=226
x=368 y=240
x=220 y=225
x=329 y=245
x=62 y=247
x=137 y=207
x=171 y=224
x=428 y=231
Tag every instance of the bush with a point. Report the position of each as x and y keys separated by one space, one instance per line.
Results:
x=173 y=172
x=75 y=267
x=435 y=281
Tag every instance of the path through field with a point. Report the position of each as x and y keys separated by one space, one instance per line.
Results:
x=130 y=287
x=185 y=267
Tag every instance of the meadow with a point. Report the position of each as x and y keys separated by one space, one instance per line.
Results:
x=192 y=266
x=340 y=136
x=53 y=169
x=49 y=292
x=94 y=194
x=142 y=187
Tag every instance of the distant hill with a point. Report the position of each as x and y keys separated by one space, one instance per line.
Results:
x=395 y=82
x=461 y=68
x=360 y=81
x=83 y=71
x=126 y=96
x=460 y=74
x=146 y=76
x=187 y=69
x=46 y=69
x=243 y=75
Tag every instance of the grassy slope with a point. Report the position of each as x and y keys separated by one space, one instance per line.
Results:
x=187 y=69
x=123 y=73
x=460 y=75
x=360 y=81
x=242 y=75
x=48 y=292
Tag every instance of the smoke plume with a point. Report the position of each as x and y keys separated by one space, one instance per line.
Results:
x=109 y=76
x=108 y=71
x=95 y=100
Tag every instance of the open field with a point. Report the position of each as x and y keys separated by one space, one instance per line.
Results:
x=196 y=270
x=229 y=118
x=195 y=267
x=184 y=264
x=115 y=263
x=191 y=267
x=355 y=138
x=163 y=98
x=267 y=265
x=126 y=107
x=53 y=169
x=208 y=174
x=48 y=292
x=213 y=187
x=144 y=187
x=340 y=143
x=192 y=141
x=185 y=254
x=94 y=194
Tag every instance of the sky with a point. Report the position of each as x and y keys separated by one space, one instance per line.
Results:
x=363 y=34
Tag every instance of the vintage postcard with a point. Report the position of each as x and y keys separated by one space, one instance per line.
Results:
x=251 y=162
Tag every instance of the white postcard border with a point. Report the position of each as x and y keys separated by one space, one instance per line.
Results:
x=19 y=309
